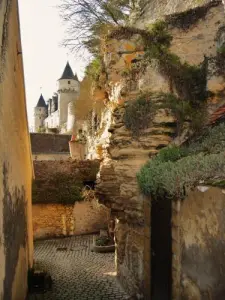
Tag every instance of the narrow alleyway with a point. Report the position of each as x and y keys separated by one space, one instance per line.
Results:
x=77 y=272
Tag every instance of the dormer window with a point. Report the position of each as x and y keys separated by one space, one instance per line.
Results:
x=69 y=82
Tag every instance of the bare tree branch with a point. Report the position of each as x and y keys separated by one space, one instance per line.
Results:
x=86 y=20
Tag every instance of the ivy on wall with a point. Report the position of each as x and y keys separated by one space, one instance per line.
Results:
x=188 y=95
x=138 y=114
x=61 y=189
x=62 y=182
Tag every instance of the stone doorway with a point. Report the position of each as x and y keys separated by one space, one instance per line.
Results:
x=161 y=249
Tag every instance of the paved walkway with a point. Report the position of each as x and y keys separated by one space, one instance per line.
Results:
x=77 y=272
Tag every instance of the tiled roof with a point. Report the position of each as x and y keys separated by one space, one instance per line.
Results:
x=41 y=102
x=68 y=73
x=218 y=115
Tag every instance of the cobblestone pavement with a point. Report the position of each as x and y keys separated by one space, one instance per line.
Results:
x=77 y=272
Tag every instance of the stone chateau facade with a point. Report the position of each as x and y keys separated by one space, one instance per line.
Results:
x=57 y=113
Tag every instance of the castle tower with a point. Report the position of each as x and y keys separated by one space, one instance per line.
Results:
x=68 y=91
x=71 y=117
x=40 y=113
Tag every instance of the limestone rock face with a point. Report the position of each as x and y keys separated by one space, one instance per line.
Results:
x=124 y=153
x=150 y=11
x=117 y=185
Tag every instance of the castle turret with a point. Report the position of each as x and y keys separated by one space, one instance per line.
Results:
x=40 y=113
x=68 y=90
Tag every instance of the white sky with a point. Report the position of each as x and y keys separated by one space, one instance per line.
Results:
x=44 y=59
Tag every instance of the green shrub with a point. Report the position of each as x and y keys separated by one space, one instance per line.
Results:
x=103 y=241
x=220 y=60
x=185 y=111
x=211 y=141
x=60 y=189
x=221 y=50
x=174 y=171
x=158 y=34
x=138 y=114
x=93 y=70
x=171 y=153
x=175 y=179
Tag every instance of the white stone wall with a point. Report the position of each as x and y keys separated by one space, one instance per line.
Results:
x=52 y=121
x=65 y=97
x=40 y=113
x=68 y=84
x=71 y=117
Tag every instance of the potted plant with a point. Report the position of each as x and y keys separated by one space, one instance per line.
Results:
x=105 y=241
x=103 y=244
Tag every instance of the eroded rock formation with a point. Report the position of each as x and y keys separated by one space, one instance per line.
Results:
x=197 y=38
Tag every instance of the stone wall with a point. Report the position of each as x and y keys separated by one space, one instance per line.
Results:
x=56 y=220
x=202 y=245
x=62 y=181
x=61 y=206
x=51 y=156
x=16 y=243
x=117 y=186
x=49 y=143
x=84 y=170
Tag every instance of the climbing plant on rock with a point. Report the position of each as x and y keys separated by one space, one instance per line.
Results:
x=187 y=82
x=138 y=114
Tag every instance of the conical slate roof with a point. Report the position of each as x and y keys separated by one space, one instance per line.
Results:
x=41 y=102
x=68 y=73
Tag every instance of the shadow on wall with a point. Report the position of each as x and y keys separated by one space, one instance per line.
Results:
x=14 y=229
x=202 y=245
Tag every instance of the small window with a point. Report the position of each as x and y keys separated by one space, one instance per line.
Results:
x=69 y=82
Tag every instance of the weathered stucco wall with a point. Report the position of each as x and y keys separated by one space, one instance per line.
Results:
x=56 y=220
x=16 y=248
x=202 y=245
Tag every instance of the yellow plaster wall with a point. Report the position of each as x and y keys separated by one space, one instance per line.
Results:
x=16 y=244
x=56 y=220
